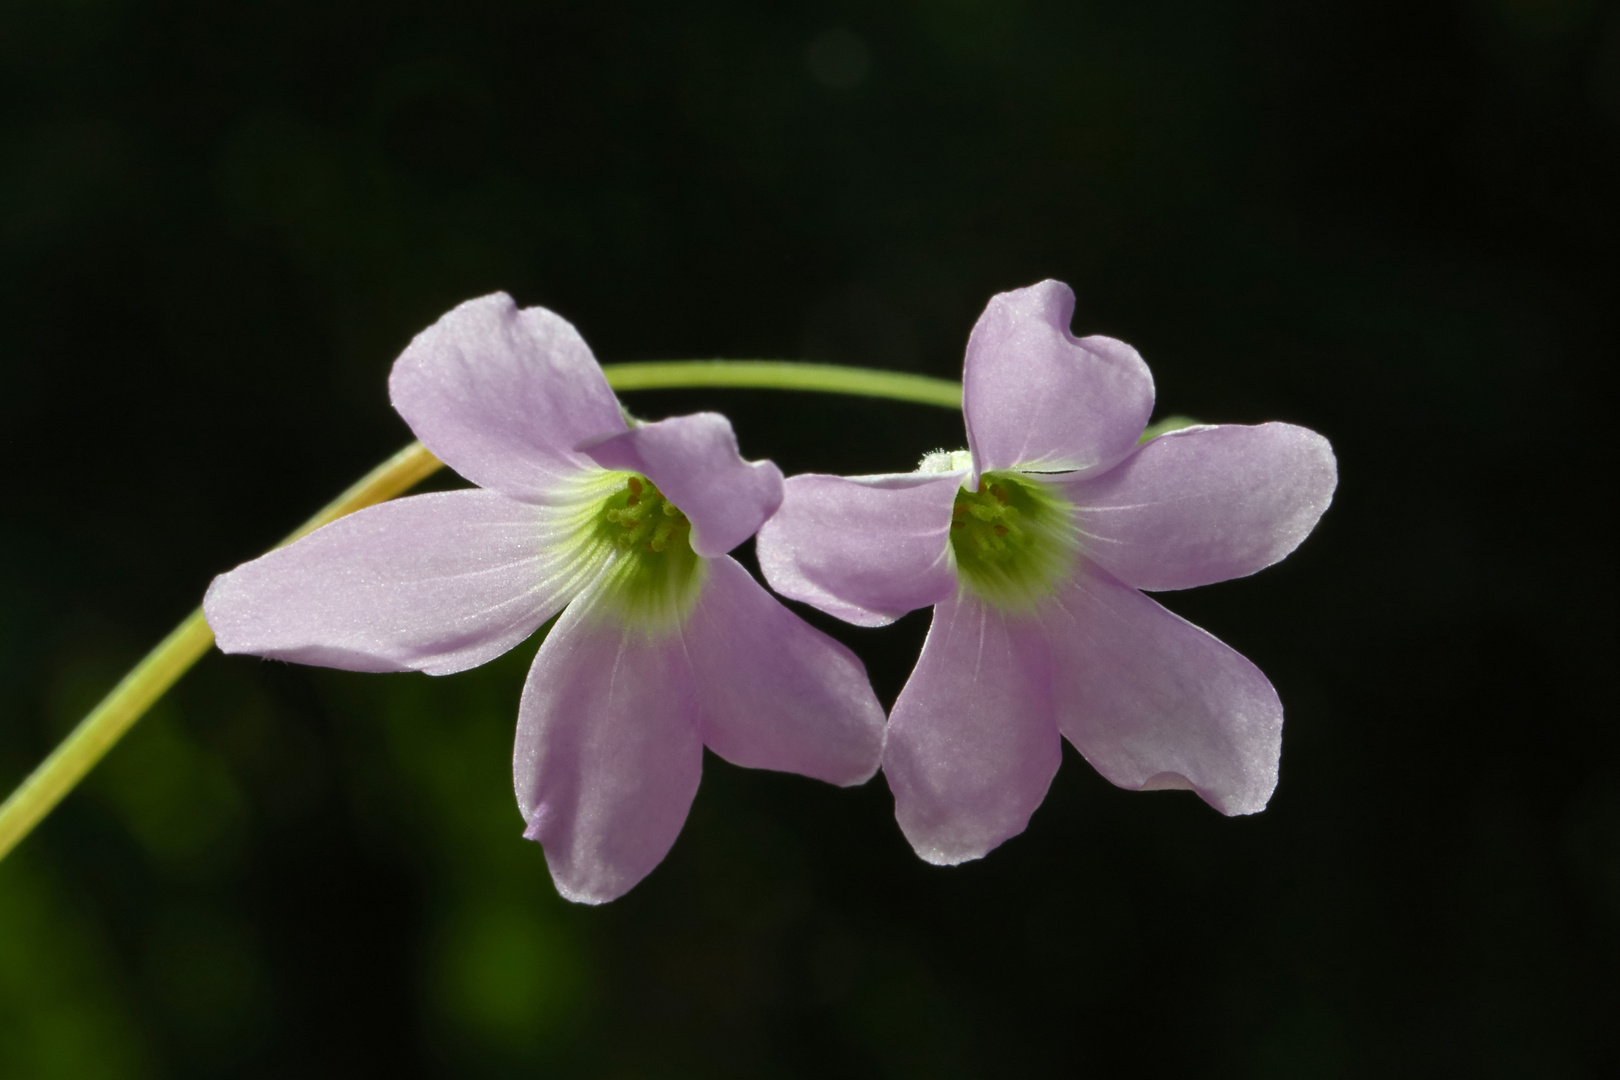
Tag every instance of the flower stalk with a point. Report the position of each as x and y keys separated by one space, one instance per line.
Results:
x=785 y=375
x=161 y=668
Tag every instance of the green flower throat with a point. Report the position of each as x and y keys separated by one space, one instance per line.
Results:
x=1014 y=539
x=654 y=576
x=639 y=519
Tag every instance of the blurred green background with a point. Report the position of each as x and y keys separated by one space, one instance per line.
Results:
x=1393 y=221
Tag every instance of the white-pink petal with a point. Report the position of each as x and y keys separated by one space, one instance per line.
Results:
x=504 y=396
x=435 y=583
x=973 y=744
x=1036 y=397
x=774 y=692
x=865 y=549
x=608 y=753
x=1205 y=504
x=695 y=462
x=1152 y=701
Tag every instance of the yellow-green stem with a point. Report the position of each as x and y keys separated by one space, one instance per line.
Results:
x=59 y=773
x=786 y=375
x=173 y=657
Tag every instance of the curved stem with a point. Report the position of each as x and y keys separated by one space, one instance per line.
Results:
x=59 y=773
x=785 y=375
x=173 y=657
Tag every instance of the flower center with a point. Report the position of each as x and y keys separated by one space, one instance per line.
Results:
x=644 y=518
x=655 y=575
x=1014 y=539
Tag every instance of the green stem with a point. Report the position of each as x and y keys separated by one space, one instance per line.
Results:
x=139 y=690
x=59 y=773
x=785 y=375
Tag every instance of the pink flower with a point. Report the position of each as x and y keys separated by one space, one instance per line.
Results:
x=1032 y=546
x=664 y=645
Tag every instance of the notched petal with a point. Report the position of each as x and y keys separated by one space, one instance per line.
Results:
x=695 y=462
x=608 y=753
x=1039 y=399
x=972 y=742
x=1153 y=701
x=503 y=396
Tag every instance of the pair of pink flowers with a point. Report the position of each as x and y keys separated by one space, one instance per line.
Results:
x=1031 y=545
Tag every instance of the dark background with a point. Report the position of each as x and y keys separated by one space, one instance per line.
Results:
x=1393 y=221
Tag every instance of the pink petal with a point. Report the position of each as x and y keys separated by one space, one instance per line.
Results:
x=1037 y=398
x=1205 y=504
x=695 y=463
x=1154 y=702
x=608 y=755
x=503 y=396
x=775 y=692
x=972 y=742
x=434 y=583
x=866 y=549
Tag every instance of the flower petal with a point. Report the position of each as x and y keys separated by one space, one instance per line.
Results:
x=972 y=742
x=503 y=396
x=866 y=549
x=608 y=755
x=1205 y=504
x=1038 y=398
x=775 y=692
x=435 y=583
x=695 y=463
x=1152 y=701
